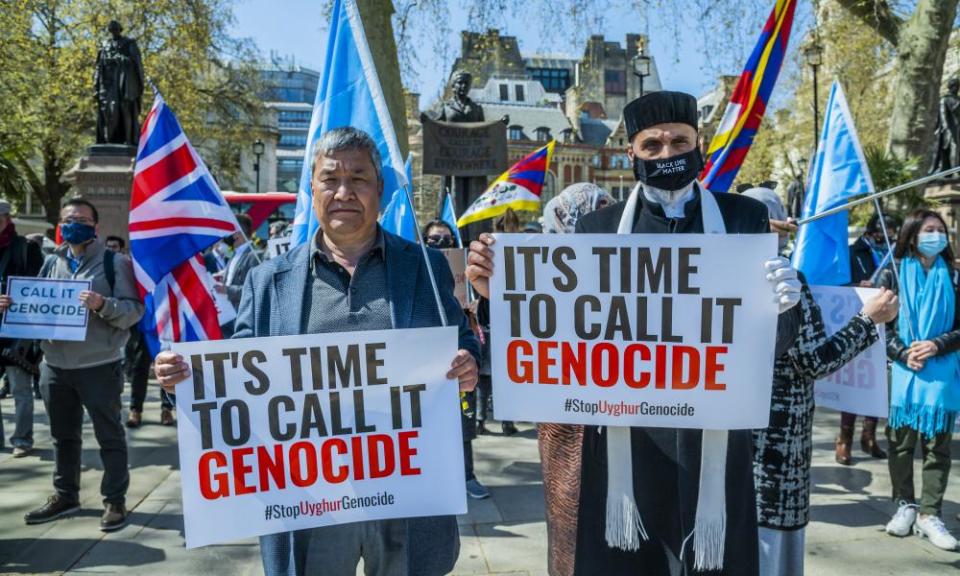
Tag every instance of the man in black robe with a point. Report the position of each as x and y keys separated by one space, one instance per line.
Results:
x=662 y=130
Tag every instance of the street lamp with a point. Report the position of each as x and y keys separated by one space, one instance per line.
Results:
x=258 y=148
x=813 y=54
x=641 y=63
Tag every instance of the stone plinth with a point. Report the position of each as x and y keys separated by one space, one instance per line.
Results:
x=104 y=176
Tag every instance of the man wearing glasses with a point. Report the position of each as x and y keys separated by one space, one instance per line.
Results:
x=88 y=375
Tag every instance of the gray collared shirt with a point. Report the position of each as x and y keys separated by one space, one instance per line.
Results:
x=339 y=302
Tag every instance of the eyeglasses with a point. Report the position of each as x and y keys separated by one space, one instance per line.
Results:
x=439 y=238
x=75 y=220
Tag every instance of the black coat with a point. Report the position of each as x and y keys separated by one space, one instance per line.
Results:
x=862 y=263
x=667 y=461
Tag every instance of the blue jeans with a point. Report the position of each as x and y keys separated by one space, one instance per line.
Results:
x=21 y=387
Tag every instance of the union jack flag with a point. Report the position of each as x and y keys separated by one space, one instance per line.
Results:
x=176 y=211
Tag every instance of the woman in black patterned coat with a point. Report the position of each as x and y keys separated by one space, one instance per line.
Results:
x=783 y=451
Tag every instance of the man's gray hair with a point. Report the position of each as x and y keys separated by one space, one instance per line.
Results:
x=347 y=139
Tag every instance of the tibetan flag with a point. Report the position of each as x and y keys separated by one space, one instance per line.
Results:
x=741 y=120
x=518 y=188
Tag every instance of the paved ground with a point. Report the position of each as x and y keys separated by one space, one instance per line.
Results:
x=503 y=535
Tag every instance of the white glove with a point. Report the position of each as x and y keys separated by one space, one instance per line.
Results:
x=784 y=281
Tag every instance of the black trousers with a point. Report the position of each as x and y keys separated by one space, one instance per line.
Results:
x=66 y=393
x=137 y=368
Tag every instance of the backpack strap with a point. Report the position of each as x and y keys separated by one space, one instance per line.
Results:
x=109 y=269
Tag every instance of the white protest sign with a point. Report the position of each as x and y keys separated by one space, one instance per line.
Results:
x=278 y=246
x=860 y=387
x=45 y=309
x=663 y=330
x=294 y=432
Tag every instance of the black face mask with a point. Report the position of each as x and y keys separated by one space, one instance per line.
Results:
x=674 y=173
x=229 y=240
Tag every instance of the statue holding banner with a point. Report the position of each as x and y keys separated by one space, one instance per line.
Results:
x=461 y=108
x=947 y=154
x=461 y=146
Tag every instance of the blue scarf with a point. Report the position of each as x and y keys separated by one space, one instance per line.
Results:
x=928 y=400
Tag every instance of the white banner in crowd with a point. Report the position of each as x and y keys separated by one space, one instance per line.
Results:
x=45 y=309
x=294 y=432
x=860 y=387
x=674 y=330
x=278 y=246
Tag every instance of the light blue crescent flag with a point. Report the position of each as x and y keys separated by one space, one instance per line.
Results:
x=348 y=94
x=839 y=173
x=450 y=217
x=398 y=216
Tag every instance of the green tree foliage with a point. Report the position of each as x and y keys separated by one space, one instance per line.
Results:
x=48 y=50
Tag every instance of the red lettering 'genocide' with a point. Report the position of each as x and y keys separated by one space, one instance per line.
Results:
x=248 y=470
x=639 y=366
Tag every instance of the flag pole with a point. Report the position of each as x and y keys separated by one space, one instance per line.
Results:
x=893 y=265
x=878 y=195
x=426 y=258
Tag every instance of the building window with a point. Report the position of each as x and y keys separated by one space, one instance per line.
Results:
x=543 y=134
x=567 y=135
x=577 y=174
x=294 y=119
x=615 y=81
x=294 y=140
x=567 y=176
x=555 y=80
x=504 y=92
x=518 y=89
x=515 y=133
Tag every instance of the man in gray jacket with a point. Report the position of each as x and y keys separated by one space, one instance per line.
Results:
x=351 y=276
x=88 y=374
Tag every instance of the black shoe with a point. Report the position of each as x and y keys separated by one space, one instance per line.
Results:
x=114 y=517
x=56 y=507
x=509 y=428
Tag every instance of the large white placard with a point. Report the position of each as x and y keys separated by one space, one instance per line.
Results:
x=674 y=330
x=294 y=432
x=860 y=386
x=45 y=309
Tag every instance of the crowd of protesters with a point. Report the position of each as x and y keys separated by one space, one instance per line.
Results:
x=767 y=474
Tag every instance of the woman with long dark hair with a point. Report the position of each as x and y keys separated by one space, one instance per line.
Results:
x=922 y=343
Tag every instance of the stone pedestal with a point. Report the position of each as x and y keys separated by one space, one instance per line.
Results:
x=104 y=176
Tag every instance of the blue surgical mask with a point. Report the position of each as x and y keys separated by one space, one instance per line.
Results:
x=77 y=232
x=931 y=243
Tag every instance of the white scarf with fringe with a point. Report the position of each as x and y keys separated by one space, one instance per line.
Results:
x=624 y=527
